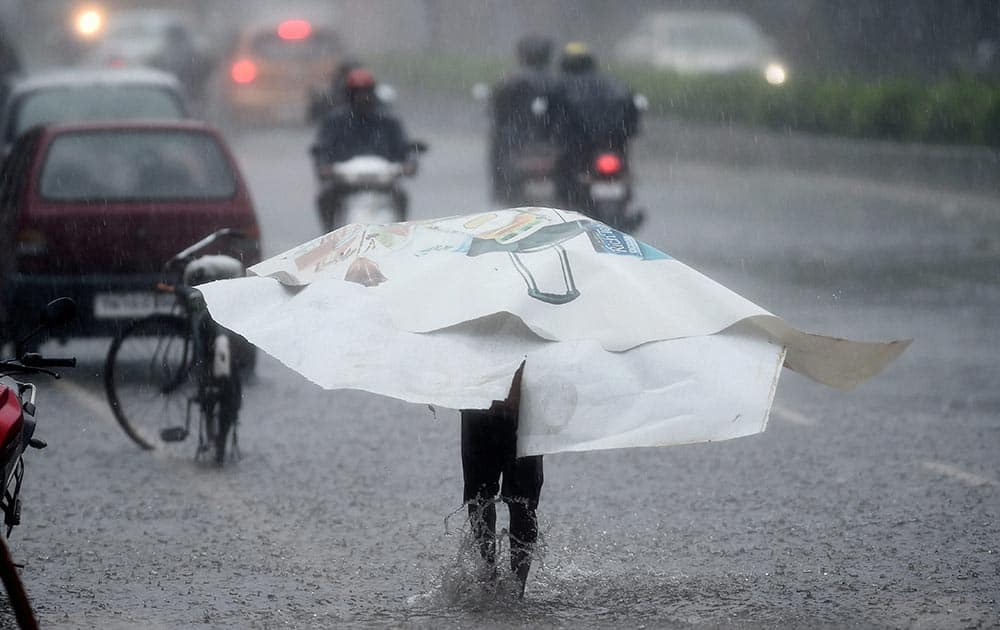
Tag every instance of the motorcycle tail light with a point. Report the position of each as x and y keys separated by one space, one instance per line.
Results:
x=608 y=164
x=243 y=71
x=294 y=29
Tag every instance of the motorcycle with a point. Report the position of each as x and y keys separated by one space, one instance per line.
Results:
x=17 y=434
x=530 y=179
x=523 y=166
x=603 y=192
x=365 y=189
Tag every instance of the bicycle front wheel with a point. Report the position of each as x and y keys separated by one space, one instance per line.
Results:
x=149 y=378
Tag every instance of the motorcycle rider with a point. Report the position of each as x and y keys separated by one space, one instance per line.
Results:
x=181 y=57
x=515 y=124
x=360 y=127
x=596 y=114
x=321 y=103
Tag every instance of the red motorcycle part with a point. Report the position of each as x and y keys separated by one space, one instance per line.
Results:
x=11 y=416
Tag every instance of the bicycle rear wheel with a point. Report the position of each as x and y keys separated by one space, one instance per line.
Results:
x=149 y=378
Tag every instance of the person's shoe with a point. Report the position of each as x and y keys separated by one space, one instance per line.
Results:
x=520 y=565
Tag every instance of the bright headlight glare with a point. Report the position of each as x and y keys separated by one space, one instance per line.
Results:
x=775 y=74
x=89 y=22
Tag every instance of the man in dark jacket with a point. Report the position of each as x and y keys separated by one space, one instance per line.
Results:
x=489 y=452
x=359 y=127
x=520 y=114
x=597 y=114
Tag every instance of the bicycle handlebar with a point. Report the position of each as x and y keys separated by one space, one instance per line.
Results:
x=189 y=251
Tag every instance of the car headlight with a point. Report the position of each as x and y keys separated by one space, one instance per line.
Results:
x=775 y=73
x=88 y=22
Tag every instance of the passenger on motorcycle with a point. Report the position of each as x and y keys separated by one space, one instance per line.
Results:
x=597 y=114
x=521 y=114
x=360 y=127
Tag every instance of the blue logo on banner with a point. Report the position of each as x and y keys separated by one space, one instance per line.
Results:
x=607 y=240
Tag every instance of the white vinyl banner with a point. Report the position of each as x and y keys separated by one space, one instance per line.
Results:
x=623 y=345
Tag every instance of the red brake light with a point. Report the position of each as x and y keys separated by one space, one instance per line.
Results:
x=294 y=29
x=243 y=71
x=608 y=164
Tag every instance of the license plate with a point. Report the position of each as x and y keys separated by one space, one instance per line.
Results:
x=539 y=189
x=129 y=304
x=608 y=190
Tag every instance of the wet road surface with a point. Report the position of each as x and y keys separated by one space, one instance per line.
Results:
x=873 y=508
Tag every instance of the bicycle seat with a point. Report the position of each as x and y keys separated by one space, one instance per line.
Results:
x=11 y=416
x=212 y=267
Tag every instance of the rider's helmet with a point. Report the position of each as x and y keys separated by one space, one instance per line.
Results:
x=360 y=87
x=534 y=52
x=358 y=80
x=339 y=78
x=577 y=59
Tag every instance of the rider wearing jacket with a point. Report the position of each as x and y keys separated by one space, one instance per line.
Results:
x=596 y=113
x=515 y=124
x=359 y=127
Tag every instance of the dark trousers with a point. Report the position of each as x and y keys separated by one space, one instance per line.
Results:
x=489 y=443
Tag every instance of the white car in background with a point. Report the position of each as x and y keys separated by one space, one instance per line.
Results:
x=166 y=39
x=78 y=94
x=702 y=42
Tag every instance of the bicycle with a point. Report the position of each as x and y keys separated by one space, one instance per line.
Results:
x=17 y=434
x=161 y=366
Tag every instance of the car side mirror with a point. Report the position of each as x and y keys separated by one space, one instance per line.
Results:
x=539 y=106
x=385 y=93
x=57 y=313
x=481 y=92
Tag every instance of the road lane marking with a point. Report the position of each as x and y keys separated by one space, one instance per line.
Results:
x=956 y=473
x=794 y=416
x=97 y=405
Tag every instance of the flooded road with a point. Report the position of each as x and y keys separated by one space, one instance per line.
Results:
x=877 y=507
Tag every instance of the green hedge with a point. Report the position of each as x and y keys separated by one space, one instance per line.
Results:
x=959 y=111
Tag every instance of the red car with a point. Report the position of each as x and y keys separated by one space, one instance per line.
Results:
x=93 y=210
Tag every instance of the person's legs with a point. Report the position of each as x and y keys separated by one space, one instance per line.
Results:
x=521 y=490
x=481 y=466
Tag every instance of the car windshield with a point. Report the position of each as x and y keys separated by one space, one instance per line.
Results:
x=93 y=102
x=707 y=32
x=272 y=46
x=136 y=164
x=135 y=27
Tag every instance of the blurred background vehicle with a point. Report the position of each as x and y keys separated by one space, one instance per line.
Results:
x=74 y=95
x=276 y=66
x=99 y=206
x=158 y=38
x=702 y=42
